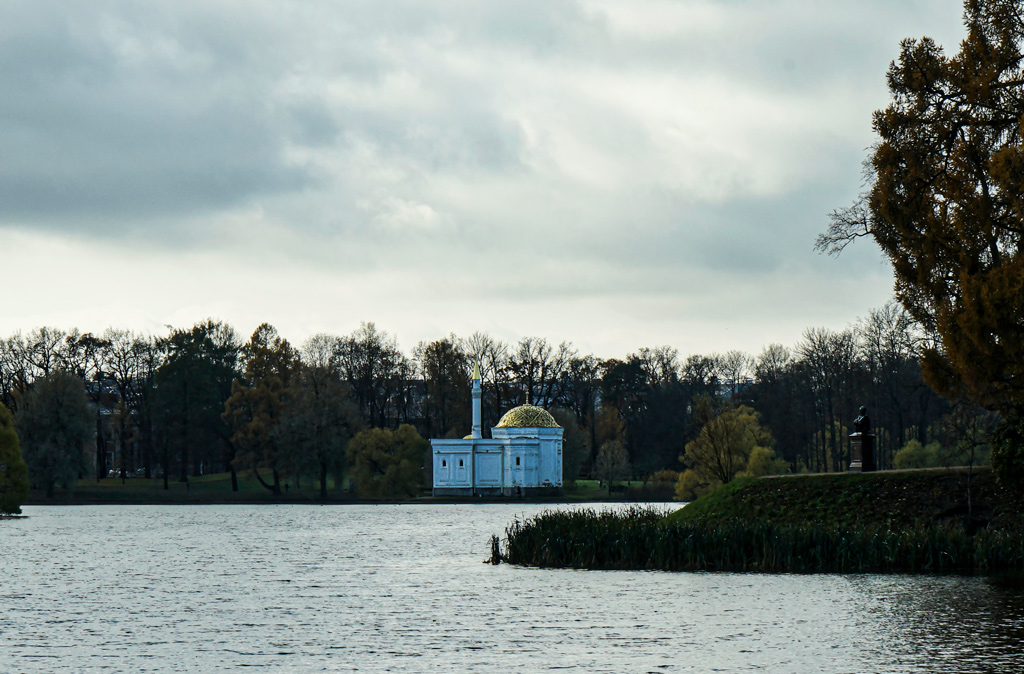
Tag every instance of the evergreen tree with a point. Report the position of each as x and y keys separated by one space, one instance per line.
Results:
x=574 y=446
x=318 y=422
x=53 y=424
x=13 y=471
x=191 y=385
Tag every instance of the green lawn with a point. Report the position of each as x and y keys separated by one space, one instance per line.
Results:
x=635 y=490
x=213 y=488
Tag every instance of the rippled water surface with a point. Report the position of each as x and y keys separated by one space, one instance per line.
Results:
x=402 y=588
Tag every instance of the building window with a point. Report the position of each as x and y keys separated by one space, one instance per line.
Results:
x=460 y=463
x=517 y=460
x=444 y=464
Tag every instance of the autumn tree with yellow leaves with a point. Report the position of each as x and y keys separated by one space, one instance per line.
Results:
x=946 y=204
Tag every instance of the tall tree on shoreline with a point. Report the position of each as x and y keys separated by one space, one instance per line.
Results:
x=13 y=471
x=946 y=202
x=377 y=372
x=321 y=417
x=445 y=369
x=192 y=383
x=258 y=405
x=53 y=425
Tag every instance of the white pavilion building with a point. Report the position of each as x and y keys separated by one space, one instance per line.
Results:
x=523 y=456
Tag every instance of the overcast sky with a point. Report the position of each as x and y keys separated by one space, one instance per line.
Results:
x=616 y=173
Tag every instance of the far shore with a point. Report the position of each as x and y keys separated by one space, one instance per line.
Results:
x=216 y=490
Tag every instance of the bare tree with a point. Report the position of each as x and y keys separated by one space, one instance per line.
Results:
x=661 y=364
x=378 y=373
x=735 y=368
x=15 y=370
x=493 y=357
x=828 y=360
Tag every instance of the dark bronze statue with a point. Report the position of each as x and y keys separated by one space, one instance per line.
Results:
x=862 y=424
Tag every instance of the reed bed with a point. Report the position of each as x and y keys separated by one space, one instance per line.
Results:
x=641 y=539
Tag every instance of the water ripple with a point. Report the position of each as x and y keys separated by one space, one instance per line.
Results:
x=402 y=588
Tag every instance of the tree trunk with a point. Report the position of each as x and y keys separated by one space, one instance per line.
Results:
x=101 y=448
x=167 y=468
x=323 y=481
x=273 y=487
x=146 y=437
x=185 y=427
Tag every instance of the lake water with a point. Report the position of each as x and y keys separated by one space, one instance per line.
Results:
x=401 y=588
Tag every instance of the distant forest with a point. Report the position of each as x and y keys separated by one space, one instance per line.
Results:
x=173 y=405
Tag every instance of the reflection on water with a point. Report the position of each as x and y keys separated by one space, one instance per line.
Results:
x=977 y=624
x=402 y=588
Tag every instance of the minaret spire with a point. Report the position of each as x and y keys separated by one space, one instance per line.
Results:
x=476 y=434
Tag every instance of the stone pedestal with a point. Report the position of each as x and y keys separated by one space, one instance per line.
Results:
x=862 y=447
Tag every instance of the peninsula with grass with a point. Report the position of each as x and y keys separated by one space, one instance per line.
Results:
x=914 y=521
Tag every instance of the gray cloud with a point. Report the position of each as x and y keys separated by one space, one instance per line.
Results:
x=113 y=118
x=117 y=110
x=545 y=148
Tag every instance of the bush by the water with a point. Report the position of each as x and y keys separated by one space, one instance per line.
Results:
x=643 y=539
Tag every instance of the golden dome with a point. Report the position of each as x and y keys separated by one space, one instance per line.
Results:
x=528 y=416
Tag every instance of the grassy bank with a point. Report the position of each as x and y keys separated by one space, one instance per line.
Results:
x=205 y=489
x=892 y=522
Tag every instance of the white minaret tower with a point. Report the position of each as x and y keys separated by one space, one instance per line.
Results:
x=476 y=435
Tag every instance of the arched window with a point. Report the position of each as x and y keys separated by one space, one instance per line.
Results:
x=460 y=463
x=444 y=464
x=517 y=460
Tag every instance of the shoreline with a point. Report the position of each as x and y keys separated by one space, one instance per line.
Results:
x=175 y=500
x=216 y=489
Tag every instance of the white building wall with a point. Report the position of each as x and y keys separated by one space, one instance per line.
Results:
x=490 y=467
x=515 y=458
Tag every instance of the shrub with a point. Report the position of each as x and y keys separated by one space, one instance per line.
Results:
x=387 y=464
x=915 y=455
x=1008 y=453
x=664 y=476
x=689 y=486
x=763 y=461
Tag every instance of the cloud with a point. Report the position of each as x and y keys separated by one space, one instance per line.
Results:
x=543 y=149
x=120 y=117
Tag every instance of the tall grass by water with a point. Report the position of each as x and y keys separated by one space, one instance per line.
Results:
x=640 y=538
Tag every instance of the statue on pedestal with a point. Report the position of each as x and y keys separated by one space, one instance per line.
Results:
x=862 y=444
x=862 y=424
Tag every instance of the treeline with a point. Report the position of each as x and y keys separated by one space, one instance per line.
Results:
x=201 y=400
